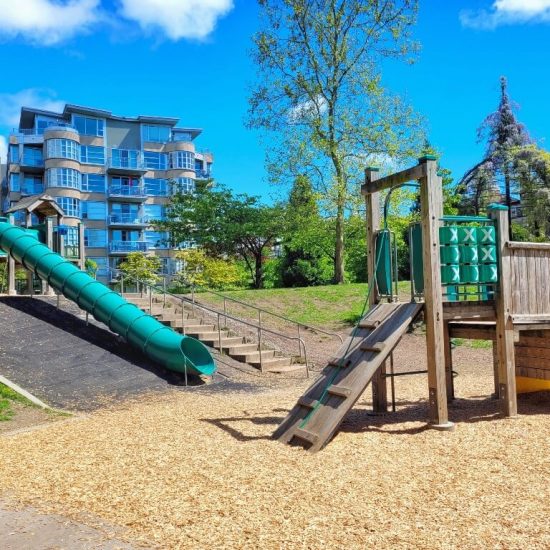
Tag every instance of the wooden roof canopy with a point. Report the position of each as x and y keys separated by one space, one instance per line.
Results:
x=43 y=206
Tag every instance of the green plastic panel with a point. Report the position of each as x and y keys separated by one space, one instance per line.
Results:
x=450 y=254
x=469 y=254
x=469 y=274
x=486 y=235
x=467 y=234
x=487 y=254
x=383 y=257
x=448 y=234
x=450 y=274
x=488 y=273
x=159 y=342
x=417 y=260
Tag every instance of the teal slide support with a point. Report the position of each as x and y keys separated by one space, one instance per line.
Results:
x=172 y=350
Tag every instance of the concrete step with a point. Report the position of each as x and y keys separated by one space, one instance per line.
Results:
x=167 y=315
x=253 y=357
x=178 y=323
x=212 y=339
x=197 y=330
x=282 y=369
x=272 y=364
x=242 y=349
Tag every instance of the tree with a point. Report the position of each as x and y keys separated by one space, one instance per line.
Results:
x=319 y=89
x=226 y=224
x=90 y=267
x=305 y=260
x=503 y=134
x=201 y=270
x=141 y=267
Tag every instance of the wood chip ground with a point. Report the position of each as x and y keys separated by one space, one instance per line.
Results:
x=197 y=469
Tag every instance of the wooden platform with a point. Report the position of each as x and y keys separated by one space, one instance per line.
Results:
x=316 y=416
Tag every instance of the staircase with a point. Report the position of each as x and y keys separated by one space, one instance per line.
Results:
x=318 y=413
x=207 y=331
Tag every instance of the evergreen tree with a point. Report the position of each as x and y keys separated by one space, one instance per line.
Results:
x=503 y=134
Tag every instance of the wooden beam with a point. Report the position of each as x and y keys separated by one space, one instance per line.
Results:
x=513 y=245
x=372 y=204
x=410 y=174
x=530 y=318
x=431 y=200
x=463 y=310
x=473 y=332
x=504 y=324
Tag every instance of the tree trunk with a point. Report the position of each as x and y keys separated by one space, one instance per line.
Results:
x=259 y=273
x=339 y=247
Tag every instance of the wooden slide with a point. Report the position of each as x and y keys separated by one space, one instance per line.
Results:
x=315 y=418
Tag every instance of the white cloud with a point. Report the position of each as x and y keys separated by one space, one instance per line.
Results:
x=46 y=22
x=194 y=19
x=3 y=150
x=10 y=104
x=307 y=109
x=507 y=12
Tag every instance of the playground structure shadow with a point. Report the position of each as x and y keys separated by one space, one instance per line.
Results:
x=361 y=420
x=94 y=335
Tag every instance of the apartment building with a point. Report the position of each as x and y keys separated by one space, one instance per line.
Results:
x=114 y=174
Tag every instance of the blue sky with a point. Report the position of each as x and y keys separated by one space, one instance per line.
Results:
x=189 y=59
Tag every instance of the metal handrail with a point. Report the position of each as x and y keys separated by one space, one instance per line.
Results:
x=184 y=299
x=267 y=312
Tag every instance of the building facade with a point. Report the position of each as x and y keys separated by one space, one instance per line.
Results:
x=114 y=174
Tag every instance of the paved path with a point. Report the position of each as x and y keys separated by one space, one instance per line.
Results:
x=26 y=529
x=55 y=356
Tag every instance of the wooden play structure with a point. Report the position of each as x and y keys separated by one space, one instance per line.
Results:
x=468 y=279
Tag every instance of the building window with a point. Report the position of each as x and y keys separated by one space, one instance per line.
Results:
x=155 y=160
x=32 y=156
x=63 y=177
x=14 y=154
x=184 y=186
x=124 y=185
x=184 y=160
x=14 y=183
x=63 y=148
x=102 y=265
x=43 y=123
x=158 y=134
x=94 y=210
x=70 y=206
x=156 y=239
x=125 y=158
x=88 y=126
x=91 y=154
x=93 y=183
x=181 y=136
x=153 y=212
x=95 y=237
x=157 y=187
x=32 y=185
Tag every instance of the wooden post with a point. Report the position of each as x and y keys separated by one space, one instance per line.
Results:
x=372 y=203
x=11 y=268
x=504 y=325
x=431 y=200
x=448 y=363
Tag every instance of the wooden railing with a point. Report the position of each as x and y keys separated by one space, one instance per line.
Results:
x=530 y=281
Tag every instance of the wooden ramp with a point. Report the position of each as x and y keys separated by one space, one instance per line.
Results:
x=315 y=418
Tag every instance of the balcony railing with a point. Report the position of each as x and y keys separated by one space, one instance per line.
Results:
x=202 y=174
x=127 y=191
x=30 y=160
x=32 y=189
x=132 y=161
x=127 y=246
x=39 y=132
x=127 y=219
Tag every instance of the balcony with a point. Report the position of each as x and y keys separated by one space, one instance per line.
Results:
x=124 y=247
x=126 y=162
x=127 y=192
x=27 y=190
x=203 y=174
x=124 y=220
x=32 y=163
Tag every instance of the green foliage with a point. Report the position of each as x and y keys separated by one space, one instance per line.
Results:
x=319 y=89
x=91 y=267
x=7 y=398
x=307 y=237
x=141 y=267
x=202 y=270
x=224 y=224
x=3 y=276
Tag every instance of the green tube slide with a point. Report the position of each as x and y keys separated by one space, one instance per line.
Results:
x=172 y=350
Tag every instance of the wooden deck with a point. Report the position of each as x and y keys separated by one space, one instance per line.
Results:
x=316 y=416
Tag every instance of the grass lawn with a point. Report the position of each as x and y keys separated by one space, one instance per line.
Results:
x=7 y=398
x=323 y=306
